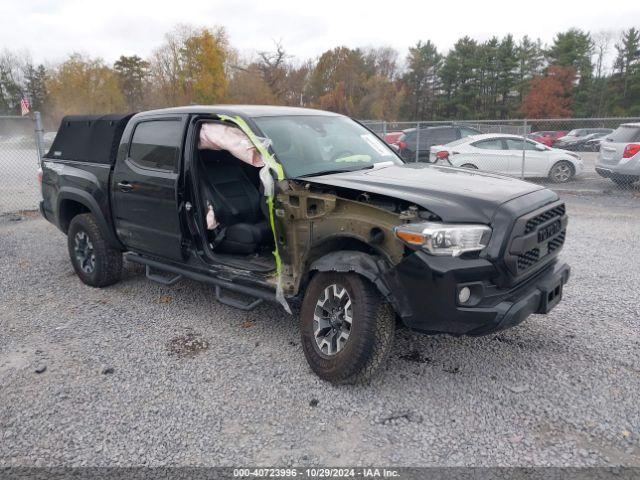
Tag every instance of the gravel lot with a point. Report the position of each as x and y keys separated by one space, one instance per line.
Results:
x=143 y=374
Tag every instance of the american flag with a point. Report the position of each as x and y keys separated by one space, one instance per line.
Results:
x=25 y=106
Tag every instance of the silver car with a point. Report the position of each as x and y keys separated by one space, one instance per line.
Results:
x=619 y=157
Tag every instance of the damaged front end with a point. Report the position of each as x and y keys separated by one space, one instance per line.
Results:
x=465 y=288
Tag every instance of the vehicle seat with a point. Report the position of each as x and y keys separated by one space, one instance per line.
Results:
x=236 y=202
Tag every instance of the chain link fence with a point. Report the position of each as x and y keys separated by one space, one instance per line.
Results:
x=19 y=162
x=589 y=154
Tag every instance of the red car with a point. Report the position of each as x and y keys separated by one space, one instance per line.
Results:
x=392 y=138
x=547 y=137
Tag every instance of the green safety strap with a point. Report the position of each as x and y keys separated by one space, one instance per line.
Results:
x=274 y=166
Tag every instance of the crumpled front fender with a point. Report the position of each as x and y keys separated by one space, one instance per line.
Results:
x=373 y=268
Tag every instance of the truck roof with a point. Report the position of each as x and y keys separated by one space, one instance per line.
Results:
x=242 y=110
x=95 y=138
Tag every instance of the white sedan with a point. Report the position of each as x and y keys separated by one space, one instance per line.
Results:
x=502 y=153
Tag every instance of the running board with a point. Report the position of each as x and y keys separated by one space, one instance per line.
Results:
x=154 y=277
x=256 y=293
x=246 y=306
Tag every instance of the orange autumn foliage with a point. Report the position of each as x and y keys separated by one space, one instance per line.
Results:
x=550 y=94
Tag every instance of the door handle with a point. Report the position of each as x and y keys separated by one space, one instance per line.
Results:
x=125 y=186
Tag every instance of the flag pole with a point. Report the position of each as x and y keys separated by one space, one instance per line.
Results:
x=39 y=136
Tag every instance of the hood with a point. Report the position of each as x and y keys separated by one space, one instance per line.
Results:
x=454 y=194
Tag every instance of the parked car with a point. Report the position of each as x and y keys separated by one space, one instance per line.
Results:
x=577 y=134
x=547 y=137
x=427 y=137
x=619 y=157
x=392 y=138
x=502 y=153
x=593 y=144
x=579 y=144
x=327 y=216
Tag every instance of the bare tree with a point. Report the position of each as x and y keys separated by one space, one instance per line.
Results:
x=272 y=65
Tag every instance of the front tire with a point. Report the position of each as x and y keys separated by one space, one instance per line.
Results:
x=469 y=165
x=562 y=172
x=93 y=260
x=346 y=330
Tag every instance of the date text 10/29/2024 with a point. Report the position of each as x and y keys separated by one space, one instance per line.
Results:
x=315 y=473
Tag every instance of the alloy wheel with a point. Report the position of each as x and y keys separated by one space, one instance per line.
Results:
x=84 y=253
x=332 y=319
x=561 y=173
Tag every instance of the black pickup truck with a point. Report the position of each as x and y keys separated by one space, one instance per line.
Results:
x=309 y=209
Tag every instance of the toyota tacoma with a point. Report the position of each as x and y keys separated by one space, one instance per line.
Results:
x=307 y=209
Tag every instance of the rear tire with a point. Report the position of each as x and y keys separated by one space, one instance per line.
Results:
x=562 y=172
x=93 y=260
x=370 y=331
x=469 y=165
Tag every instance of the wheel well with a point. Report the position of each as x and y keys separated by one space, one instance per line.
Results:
x=564 y=160
x=333 y=244
x=68 y=210
x=338 y=243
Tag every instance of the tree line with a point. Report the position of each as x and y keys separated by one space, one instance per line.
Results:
x=499 y=78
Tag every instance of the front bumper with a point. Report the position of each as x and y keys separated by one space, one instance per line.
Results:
x=427 y=289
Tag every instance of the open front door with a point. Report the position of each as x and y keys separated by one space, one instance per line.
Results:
x=145 y=189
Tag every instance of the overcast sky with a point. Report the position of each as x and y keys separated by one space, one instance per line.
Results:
x=51 y=29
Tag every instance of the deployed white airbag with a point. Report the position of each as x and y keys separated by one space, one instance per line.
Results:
x=214 y=136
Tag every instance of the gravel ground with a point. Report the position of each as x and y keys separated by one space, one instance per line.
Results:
x=143 y=374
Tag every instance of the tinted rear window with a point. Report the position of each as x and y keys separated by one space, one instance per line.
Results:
x=156 y=144
x=625 y=134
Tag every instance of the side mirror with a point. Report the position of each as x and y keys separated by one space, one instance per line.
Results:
x=540 y=147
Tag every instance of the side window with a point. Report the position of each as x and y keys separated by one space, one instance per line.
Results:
x=493 y=144
x=156 y=144
x=514 y=144
x=442 y=136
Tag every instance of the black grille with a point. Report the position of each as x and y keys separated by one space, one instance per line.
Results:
x=528 y=259
x=533 y=223
x=533 y=230
x=557 y=242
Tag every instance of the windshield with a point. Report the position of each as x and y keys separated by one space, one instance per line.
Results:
x=312 y=145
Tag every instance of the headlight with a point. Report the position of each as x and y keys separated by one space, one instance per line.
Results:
x=444 y=239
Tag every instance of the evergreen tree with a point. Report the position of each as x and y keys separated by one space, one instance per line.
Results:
x=36 y=86
x=132 y=73
x=507 y=78
x=459 y=80
x=574 y=48
x=422 y=81
x=627 y=73
x=530 y=60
